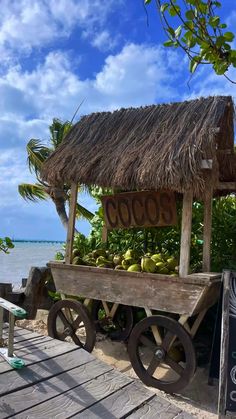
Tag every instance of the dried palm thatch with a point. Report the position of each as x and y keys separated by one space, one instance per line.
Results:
x=158 y=146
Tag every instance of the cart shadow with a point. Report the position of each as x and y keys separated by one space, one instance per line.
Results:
x=197 y=394
x=66 y=385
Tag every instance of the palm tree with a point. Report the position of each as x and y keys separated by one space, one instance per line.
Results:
x=37 y=154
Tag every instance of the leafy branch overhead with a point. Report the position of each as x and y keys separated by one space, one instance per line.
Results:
x=196 y=27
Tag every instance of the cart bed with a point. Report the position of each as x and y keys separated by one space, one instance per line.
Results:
x=188 y=295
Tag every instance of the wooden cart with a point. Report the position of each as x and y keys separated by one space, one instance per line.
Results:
x=187 y=148
x=186 y=297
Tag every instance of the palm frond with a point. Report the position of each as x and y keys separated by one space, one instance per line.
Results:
x=37 y=154
x=58 y=130
x=82 y=212
x=32 y=192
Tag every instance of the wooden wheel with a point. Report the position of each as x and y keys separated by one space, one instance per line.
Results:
x=117 y=326
x=69 y=320
x=162 y=354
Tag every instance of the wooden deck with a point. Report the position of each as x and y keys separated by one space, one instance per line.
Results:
x=61 y=380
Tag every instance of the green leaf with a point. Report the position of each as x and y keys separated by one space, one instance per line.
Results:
x=163 y=7
x=37 y=154
x=220 y=67
x=229 y=36
x=220 y=40
x=169 y=43
x=32 y=192
x=214 y=21
x=193 y=65
x=190 y=15
x=178 y=31
x=174 y=10
x=171 y=31
x=147 y=1
x=83 y=212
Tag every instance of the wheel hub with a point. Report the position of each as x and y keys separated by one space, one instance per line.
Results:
x=160 y=353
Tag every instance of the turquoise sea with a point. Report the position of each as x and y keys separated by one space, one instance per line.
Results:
x=16 y=265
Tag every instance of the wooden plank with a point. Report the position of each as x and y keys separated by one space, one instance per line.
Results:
x=104 y=234
x=32 y=340
x=20 y=337
x=228 y=186
x=71 y=223
x=155 y=408
x=224 y=346
x=119 y=404
x=145 y=290
x=21 y=349
x=206 y=263
x=186 y=227
x=65 y=395
x=27 y=347
x=139 y=209
x=33 y=355
x=44 y=370
x=209 y=296
x=199 y=278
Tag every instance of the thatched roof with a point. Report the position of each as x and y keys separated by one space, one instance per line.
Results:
x=158 y=146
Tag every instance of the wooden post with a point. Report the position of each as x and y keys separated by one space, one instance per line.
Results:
x=71 y=223
x=224 y=346
x=206 y=263
x=186 y=234
x=104 y=234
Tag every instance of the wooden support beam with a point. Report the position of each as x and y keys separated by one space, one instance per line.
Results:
x=206 y=263
x=186 y=234
x=71 y=223
x=228 y=186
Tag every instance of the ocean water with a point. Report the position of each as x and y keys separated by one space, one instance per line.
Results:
x=16 y=265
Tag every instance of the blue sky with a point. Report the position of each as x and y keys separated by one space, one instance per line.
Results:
x=54 y=54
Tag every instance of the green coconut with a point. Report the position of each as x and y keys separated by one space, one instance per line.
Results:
x=157 y=257
x=134 y=268
x=148 y=265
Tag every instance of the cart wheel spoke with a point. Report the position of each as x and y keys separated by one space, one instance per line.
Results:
x=80 y=318
x=76 y=340
x=147 y=342
x=174 y=365
x=63 y=318
x=155 y=362
x=76 y=323
x=168 y=340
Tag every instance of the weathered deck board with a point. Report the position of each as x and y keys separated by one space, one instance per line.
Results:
x=120 y=403
x=62 y=381
x=43 y=370
x=37 y=399
x=79 y=398
x=43 y=352
x=165 y=409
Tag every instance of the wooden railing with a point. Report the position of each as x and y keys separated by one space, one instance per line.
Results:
x=7 y=350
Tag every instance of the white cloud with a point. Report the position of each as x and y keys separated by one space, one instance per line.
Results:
x=207 y=83
x=104 y=42
x=26 y=24
x=138 y=75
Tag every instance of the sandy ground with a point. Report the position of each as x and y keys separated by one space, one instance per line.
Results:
x=198 y=398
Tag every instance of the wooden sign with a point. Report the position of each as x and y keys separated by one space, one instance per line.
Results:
x=139 y=209
x=224 y=347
